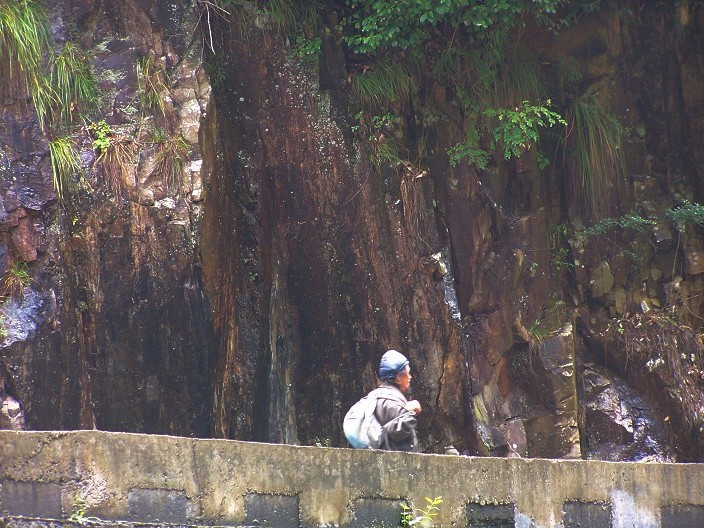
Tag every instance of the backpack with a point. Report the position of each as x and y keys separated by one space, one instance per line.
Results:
x=361 y=427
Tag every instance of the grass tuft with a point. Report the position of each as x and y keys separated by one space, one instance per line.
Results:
x=152 y=84
x=116 y=153
x=73 y=83
x=15 y=280
x=24 y=38
x=384 y=82
x=64 y=164
x=595 y=154
x=170 y=159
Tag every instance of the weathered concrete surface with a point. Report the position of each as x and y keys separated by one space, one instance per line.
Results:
x=122 y=476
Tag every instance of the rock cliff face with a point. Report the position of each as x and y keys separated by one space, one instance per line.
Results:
x=248 y=289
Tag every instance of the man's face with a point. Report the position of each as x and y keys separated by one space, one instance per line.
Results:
x=403 y=379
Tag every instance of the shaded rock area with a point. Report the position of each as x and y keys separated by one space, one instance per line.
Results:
x=239 y=271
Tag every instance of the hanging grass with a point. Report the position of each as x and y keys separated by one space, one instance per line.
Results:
x=45 y=101
x=151 y=83
x=291 y=16
x=170 y=159
x=595 y=154
x=522 y=78
x=64 y=164
x=116 y=153
x=73 y=83
x=24 y=38
x=384 y=82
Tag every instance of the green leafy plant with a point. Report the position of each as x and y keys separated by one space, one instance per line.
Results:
x=64 y=164
x=629 y=221
x=518 y=128
x=558 y=246
x=151 y=85
x=515 y=131
x=687 y=213
x=73 y=84
x=377 y=132
x=307 y=48
x=408 y=23
x=78 y=512
x=15 y=280
x=470 y=150
x=101 y=133
x=424 y=517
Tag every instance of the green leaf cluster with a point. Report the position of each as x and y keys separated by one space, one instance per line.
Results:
x=516 y=129
x=424 y=517
x=519 y=127
x=628 y=221
x=687 y=213
x=380 y=24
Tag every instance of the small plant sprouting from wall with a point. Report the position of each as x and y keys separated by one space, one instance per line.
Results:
x=115 y=155
x=382 y=83
x=559 y=247
x=687 y=213
x=170 y=159
x=515 y=130
x=151 y=83
x=631 y=221
x=3 y=326
x=73 y=83
x=377 y=132
x=64 y=164
x=595 y=153
x=78 y=512
x=24 y=39
x=15 y=280
x=424 y=517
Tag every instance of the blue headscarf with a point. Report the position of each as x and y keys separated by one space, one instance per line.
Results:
x=392 y=362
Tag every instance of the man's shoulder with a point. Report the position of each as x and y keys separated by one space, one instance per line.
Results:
x=388 y=392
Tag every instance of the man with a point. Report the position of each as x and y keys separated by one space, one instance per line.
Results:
x=394 y=412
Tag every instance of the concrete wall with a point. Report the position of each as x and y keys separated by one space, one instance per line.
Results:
x=158 y=479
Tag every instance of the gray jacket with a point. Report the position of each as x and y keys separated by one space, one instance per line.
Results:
x=390 y=406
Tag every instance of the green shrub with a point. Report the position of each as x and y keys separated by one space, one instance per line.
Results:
x=631 y=221
x=376 y=25
x=518 y=128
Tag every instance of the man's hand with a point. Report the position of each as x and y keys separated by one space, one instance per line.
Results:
x=413 y=406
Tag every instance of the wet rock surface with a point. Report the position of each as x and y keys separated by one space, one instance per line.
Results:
x=620 y=425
